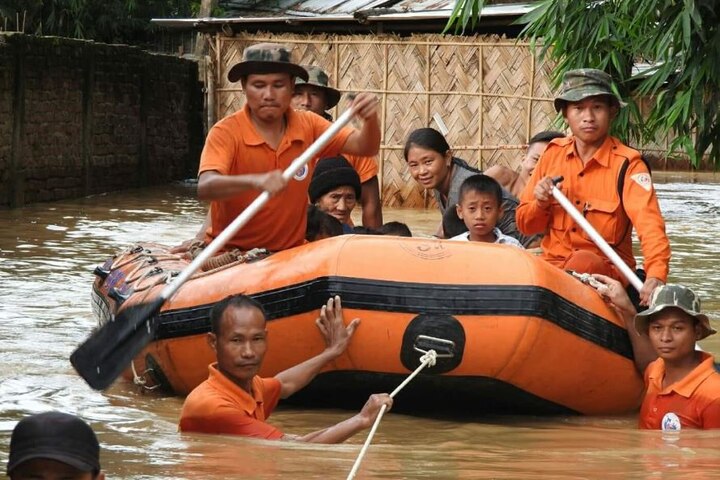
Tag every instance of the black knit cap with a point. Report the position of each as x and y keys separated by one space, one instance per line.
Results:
x=55 y=436
x=331 y=173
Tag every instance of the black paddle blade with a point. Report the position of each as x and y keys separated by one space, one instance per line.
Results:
x=109 y=350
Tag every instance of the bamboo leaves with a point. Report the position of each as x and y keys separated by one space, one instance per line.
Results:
x=665 y=50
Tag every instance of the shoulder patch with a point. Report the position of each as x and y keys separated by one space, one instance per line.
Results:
x=643 y=179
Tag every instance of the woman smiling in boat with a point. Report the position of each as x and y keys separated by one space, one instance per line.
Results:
x=433 y=166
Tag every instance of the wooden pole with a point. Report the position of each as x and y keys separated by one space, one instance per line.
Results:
x=528 y=131
x=206 y=8
x=482 y=106
x=383 y=122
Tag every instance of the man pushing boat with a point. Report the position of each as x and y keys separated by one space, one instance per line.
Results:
x=235 y=400
x=245 y=153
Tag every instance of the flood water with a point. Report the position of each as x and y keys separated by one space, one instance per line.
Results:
x=47 y=253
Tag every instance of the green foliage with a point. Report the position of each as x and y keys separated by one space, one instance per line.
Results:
x=464 y=11
x=679 y=39
x=111 y=21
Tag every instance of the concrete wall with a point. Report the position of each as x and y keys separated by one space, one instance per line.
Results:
x=78 y=118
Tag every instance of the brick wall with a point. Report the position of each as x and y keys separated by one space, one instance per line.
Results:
x=78 y=118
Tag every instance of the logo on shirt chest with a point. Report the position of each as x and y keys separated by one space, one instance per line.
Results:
x=671 y=423
x=302 y=173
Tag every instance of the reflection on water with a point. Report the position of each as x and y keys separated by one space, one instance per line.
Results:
x=47 y=252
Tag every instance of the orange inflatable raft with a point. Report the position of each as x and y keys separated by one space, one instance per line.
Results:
x=518 y=335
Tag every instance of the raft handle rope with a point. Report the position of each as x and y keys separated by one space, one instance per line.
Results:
x=428 y=359
x=425 y=343
x=587 y=279
x=140 y=380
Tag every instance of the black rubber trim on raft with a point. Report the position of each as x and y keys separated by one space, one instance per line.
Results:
x=378 y=295
x=445 y=396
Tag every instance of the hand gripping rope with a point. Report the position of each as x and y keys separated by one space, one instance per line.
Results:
x=428 y=359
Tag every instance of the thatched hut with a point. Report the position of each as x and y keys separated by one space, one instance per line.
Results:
x=490 y=90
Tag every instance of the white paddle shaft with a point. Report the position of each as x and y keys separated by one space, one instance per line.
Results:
x=597 y=238
x=245 y=216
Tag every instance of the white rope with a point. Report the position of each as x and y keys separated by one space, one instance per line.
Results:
x=137 y=379
x=428 y=359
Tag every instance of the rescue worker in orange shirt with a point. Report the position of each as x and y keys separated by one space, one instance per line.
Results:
x=315 y=95
x=683 y=387
x=246 y=152
x=605 y=179
x=234 y=400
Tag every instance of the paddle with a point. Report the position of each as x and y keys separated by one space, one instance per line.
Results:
x=108 y=350
x=595 y=236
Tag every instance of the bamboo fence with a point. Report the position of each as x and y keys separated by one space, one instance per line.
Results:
x=493 y=94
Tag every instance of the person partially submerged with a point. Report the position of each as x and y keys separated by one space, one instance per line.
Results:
x=234 y=400
x=682 y=385
x=54 y=446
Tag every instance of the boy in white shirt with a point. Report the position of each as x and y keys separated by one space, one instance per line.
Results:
x=480 y=207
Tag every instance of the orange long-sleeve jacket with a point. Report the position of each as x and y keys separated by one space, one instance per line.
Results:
x=611 y=205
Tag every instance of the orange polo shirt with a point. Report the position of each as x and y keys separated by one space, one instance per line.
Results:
x=234 y=147
x=593 y=188
x=695 y=399
x=220 y=406
x=366 y=167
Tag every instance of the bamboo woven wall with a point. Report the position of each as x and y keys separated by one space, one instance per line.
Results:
x=491 y=93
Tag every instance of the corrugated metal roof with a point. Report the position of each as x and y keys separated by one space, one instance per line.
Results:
x=297 y=7
x=255 y=8
x=299 y=11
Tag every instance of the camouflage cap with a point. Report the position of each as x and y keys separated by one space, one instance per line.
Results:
x=583 y=83
x=677 y=296
x=263 y=58
x=318 y=78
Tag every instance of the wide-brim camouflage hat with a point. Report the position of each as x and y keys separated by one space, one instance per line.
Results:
x=263 y=58
x=582 y=83
x=674 y=296
x=318 y=78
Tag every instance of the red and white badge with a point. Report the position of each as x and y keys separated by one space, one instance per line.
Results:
x=643 y=179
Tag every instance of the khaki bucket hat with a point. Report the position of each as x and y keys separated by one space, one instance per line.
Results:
x=677 y=296
x=263 y=58
x=583 y=83
x=317 y=77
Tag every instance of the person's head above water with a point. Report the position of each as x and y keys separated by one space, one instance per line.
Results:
x=53 y=446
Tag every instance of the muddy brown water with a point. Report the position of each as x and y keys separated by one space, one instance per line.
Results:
x=47 y=252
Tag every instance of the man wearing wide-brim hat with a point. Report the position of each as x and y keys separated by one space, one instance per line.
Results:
x=683 y=386
x=316 y=95
x=246 y=152
x=606 y=180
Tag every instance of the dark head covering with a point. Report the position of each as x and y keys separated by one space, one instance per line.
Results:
x=331 y=173
x=55 y=436
x=263 y=58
